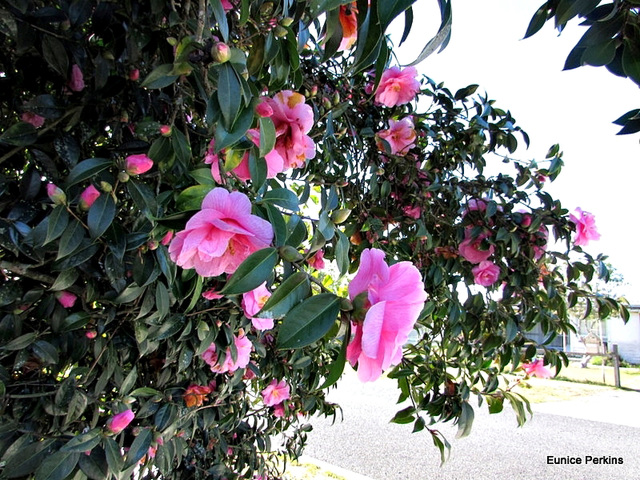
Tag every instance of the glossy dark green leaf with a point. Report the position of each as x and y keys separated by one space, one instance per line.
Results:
x=58 y=221
x=20 y=135
x=279 y=226
x=101 y=214
x=465 y=421
x=20 y=342
x=631 y=61
x=221 y=17
x=70 y=239
x=337 y=367
x=441 y=38
x=55 y=55
x=267 y=135
x=181 y=146
x=64 y=280
x=138 y=448
x=27 y=459
x=343 y=258
x=567 y=9
x=309 y=321
x=282 y=197
x=87 y=169
x=191 y=198
x=290 y=292
x=94 y=465
x=203 y=176
x=255 y=59
x=404 y=416
x=45 y=352
x=600 y=54
x=113 y=454
x=160 y=77
x=144 y=198
x=227 y=137
x=297 y=231
x=228 y=94
x=388 y=10
x=251 y=273
x=83 y=442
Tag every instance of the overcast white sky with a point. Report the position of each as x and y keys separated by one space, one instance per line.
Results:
x=573 y=108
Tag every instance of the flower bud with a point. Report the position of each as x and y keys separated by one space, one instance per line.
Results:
x=123 y=177
x=286 y=21
x=66 y=299
x=339 y=216
x=134 y=75
x=119 y=422
x=336 y=98
x=280 y=32
x=289 y=253
x=165 y=130
x=56 y=195
x=263 y=109
x=91 y=334
x=105 y=186
x=87 y=197
x=345 y=305
x=137 y=164
x=220 y=52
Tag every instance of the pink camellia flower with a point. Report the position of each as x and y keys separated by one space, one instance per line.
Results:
x=221 y=235
x=471 y=248
x=278 y=410
x=486 y=273
x=537 y=369
x=134 y=74
x=252 y=302
x=348 y=17
x=395 y=297
x=475 y=205
x=195 y=395
x=119 y=422
x=539 y=249
x=243 y=349
x=275 y=393
x=76 y=80
x=412 y=212
x=66 y=299
x=293 y=119
x=56 y=194
x=33 y=119
x=397 y=86
x=88 y=196
x=317 y=261
x=137 y=164
x=400 y=136
x=227 y=5
x=586 y=229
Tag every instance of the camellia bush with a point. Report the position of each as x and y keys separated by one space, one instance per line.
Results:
x=209 y=208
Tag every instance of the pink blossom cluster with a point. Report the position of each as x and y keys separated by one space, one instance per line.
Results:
x=221 y=235
x=537 y=369
x=397 y=86
x=252 y=303
x=400 y=137
x=229 y=365
x=586 y=229
x=395 y=297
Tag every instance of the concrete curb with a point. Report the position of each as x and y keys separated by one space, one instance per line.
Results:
x=349 y=475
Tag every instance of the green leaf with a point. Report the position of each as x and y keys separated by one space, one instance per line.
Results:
x=191 y=198
x=203 y=176
x=75 y=321
x=83 y=442
x=279 y=225
x=113 y=454
x=101 y=214
x=55 y=55
x=441 y=38
x=144 y=198
x=342 y=253
x=495 y=404
x=465 y=421
x=160 y=77
x=129 y=381
x=87 y=169
x=71 y=239
x=282 y=197
x=46 y=352
x=267 y=135
x=221 y=18
x=229 y=94
x=181 y=146
x=27 y=459
x=58 y=221
x=567 y=9
x=129 y=294
x=64 y=280
x=291 y=292
x=309 y=321
x=145 y=392
x=631 y=62
x=227 y=137
x=94 y=465
x=537 y=21
x=20 y=342
x=388 y=10
x=599 y=54
x=404 y=416
x=19 y=135
x=337 y=367
x=251 y=273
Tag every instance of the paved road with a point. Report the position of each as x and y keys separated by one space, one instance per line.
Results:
x=366 y=443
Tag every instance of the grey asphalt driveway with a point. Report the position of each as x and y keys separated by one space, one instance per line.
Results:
x=604 y=426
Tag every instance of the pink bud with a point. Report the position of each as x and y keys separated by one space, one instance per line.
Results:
x=119 y=422
x=91 y=334
x=134 y=75
x=55 y=193
x=29 y=117
x=137 y=164
x=167 y=238
x=76 y=82
x=212 y=294
x=264 y=109
x=220 y=52
x=66 y=299
x=88 y=196
x=165 y=130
